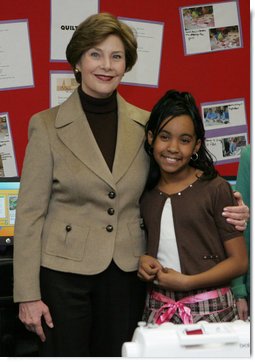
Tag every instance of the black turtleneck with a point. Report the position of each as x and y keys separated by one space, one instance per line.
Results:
x=102 y=115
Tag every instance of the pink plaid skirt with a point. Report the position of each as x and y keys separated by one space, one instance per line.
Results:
x=211 y=305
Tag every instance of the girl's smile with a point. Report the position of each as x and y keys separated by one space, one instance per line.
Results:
x=175 y=144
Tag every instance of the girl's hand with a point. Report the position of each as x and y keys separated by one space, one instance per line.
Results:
x=172 y=280
x=242 y=307
x=148 y=268
x=237 y=215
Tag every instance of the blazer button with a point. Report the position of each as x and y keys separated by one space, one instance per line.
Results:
x=142 y=226
x=109 y=228
x=68 y=228
x=111 y=211
x=112 y=194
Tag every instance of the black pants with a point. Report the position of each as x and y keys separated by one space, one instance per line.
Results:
x=92 y=315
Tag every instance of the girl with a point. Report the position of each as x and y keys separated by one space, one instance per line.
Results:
x=192 y=252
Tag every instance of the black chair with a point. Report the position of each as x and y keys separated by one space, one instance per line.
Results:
x=15 y=340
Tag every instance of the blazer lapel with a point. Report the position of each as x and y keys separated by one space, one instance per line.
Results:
x=74 y=131
x=130 y=137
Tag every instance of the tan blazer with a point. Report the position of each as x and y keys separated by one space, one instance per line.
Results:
x=73 y=214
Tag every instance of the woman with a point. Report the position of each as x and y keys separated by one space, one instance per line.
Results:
x=78 y=232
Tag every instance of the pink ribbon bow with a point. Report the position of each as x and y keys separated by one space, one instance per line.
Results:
x=170 y=307
x=166 y=312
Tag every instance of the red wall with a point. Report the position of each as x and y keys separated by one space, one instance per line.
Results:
x=209 y=77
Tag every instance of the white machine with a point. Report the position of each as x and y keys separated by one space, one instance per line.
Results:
x=202 y=339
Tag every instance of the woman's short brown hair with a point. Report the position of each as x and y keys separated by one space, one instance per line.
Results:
x=93 y=31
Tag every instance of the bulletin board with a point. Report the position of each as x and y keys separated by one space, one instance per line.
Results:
x=211 y=77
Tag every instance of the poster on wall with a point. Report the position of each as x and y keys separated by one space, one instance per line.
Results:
x=211 y=27
x=62 y=84
x=222 y=115
x=66 y=15
x=15 y=55
x=149 y=36
x=227 y=148
x=8 y=167
x=226 y=128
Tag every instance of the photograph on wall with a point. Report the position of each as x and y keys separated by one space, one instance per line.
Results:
x=8 y=167
x=224 y=114
x=62 y=85
x=66 y=15
x=1 y=167
x=149 y=36
x=227 y=148
x=15 y=55
x=211 y=27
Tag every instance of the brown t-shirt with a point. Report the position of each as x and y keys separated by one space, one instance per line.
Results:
x=200 y=228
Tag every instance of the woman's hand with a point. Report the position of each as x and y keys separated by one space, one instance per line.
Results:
x=31 y=313
x=237 y=215
x=148 y=268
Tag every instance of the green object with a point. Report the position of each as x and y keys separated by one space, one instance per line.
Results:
x=241 y=285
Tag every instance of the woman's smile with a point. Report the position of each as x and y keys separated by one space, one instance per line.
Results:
x=102 y=67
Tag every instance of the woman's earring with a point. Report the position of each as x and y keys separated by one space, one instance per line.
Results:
x=76 y=70
x=194 y=157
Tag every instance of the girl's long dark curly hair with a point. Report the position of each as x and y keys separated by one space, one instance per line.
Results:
x=171 y=105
